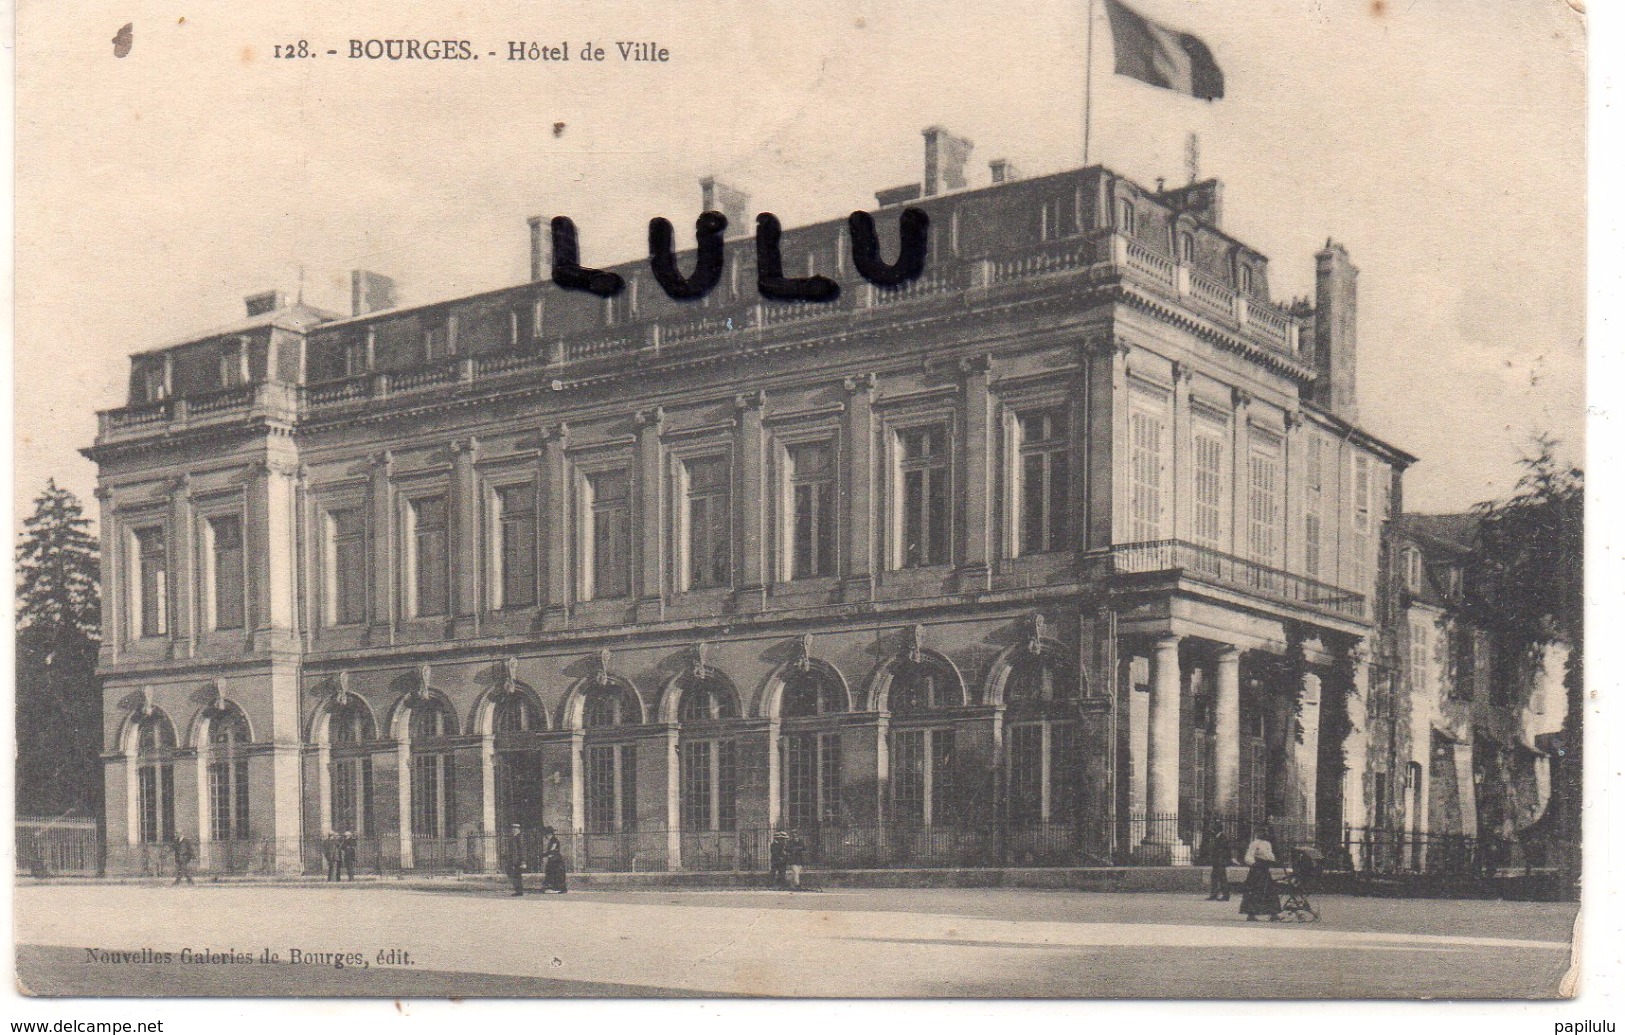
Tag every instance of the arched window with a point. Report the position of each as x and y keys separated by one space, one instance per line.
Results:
x=810 y=693
x=1042 y=776
x=1035 y=680
x=228 y=775
x=1187 y=247
x=707 y=766
x=924 y=768
x=610 y=769
x=704 y=699
x=919 y=686
x=434 y=774
x=349 y=729
x=810 y=759
x=605 y=708
x=514 y=714
x=155 y=778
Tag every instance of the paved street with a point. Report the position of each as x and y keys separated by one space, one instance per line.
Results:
x=925 y=942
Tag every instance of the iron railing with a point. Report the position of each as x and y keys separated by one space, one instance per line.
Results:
x=1208 y=565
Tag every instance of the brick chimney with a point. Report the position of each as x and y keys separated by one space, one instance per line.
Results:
x=1334 y=331
x=945 y=158
x=717 y=196
x=264 y=302
x=541 y=248
x=1003 y=170
x=370 y=292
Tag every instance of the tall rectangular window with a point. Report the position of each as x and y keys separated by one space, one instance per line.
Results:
x=812 y=502
x=727 y=784
x=156 y=793
x=944 y=785
x=1045 y=481
x=1207 y=487
x=226 y=561
x=516 y=530
x=611 y=787
x=1026 y=773
x=346 y=563
x=434 y=795
x=710 y=528
x=1362 y=493
x=429 y=556
x=352 y=795
x=908 y=776
x=228 y=800
x=1065 y=774
x=152 y=581
x=1264 y=503
x=1147 y=467
x=695 y=784
x=812 y=778
x=608 y=536
x=923 y=462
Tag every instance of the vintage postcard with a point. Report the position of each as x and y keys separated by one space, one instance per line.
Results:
x=1079 y=499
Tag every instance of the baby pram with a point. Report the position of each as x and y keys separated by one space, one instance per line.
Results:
x=1293 y=887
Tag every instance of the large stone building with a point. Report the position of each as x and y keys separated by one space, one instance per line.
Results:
x=1053 y=554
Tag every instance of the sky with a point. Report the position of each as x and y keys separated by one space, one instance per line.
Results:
x=1442 y=143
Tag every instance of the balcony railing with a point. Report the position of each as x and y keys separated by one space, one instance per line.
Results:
x=1100 y=253
x=1205 y=565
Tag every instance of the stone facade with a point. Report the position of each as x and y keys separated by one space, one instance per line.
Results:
x=1054 y=554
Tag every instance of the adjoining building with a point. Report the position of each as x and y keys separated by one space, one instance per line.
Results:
x=1476 y=720
x=1056 y=554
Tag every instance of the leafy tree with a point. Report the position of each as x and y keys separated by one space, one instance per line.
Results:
x=59 y=713
x=1526 y=587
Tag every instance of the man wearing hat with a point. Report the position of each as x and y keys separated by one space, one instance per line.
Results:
x=516 y=860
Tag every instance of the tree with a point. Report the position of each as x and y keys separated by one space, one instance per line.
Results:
x=59 y=708
x=1526 y=587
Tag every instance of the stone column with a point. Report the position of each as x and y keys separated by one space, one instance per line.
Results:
x=556 y=510
x=860 y=489
x=1162 y=757
x=975 y=571
x=752 y=593
x=1227 y=733
x=182 y=565
x=1304 y=752
x=465 y=508
x=488 y=803
x=651 y=512
x=383 y=549
x=114 y=628
x=1355 y=750
x=403 y=781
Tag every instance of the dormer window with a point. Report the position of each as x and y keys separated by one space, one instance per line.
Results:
x=1244 y=280
x=154 y=386
x=234 y=364
x=1187 y=247
x=1413 y=570
x=1125 y=217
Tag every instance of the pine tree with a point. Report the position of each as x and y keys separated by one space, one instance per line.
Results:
x=59 y=714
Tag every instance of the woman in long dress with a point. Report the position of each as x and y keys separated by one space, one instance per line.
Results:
x=1258 y=894
x=552 y=864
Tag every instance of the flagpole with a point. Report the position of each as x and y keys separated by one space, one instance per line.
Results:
x=1088 y=79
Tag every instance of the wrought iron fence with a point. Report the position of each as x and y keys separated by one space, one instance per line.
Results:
x=1228 y=570
x=48 y=847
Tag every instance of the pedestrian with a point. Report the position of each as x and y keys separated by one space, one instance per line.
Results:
x=775 y=857
x=553 y=878
x=330 y=854
x=1258 y=894
x=516 y=860
x=1218 y=858
x=347 y=855
x=184 y=854
x=795 y=854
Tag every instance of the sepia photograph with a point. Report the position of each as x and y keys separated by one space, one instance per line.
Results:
x=1078 y=500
